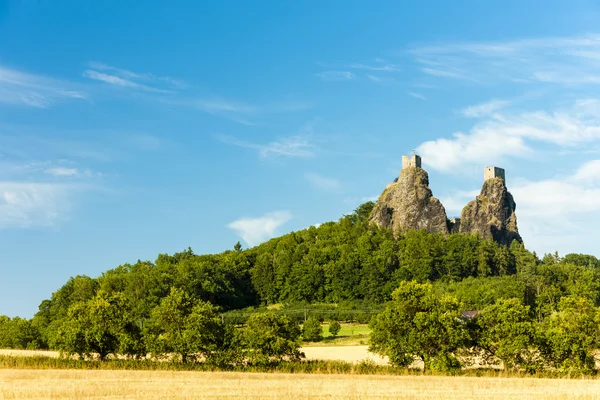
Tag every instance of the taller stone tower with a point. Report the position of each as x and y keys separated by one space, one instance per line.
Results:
x=412 y=161
x=493 y=172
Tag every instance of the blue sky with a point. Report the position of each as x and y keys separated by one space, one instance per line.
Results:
x=129 y=129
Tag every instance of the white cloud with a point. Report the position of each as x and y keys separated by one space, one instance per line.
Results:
x=62 y=171
x=25 y=204
x=122 y=82
x=374 y=78
x=292 y=146
x=256 y=230
x=555 y=214
x=356 y=201
x=21 y=88
x=336 y=75
x=380 y=67
x=416 y=95
x=560 y=213
x=558 y=60
x=484 y=109
x=588 y=173
x=445 y=73
x=175 y=83
x=323 y=183
x=455 y=202
x=126 y=78
x=511 y=135
x=235 y=111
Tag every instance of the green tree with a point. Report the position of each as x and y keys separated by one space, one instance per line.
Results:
x=570 y=336
x=312 y=331
x=334 y=328
x=101 y=325
x=505 y=330
x=19 y=333
x=269 y=337
x=418 y=323
x=190 y=328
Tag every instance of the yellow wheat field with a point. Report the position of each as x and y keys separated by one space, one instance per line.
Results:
x=80 y=384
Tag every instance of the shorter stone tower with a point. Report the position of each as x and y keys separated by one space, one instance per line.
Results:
x=493 y=172
x=412 y=161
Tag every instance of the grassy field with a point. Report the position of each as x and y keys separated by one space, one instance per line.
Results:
x=349 y=335
x=77 y=384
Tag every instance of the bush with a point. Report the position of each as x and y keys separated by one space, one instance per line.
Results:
x=334 y=328
x=270 y=338
x=312 y=331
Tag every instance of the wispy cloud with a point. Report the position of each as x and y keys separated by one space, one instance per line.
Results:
x=322 y=182
x=559 y=213
x=62 y=171
x=374 y=78
x=122 y=82
x=559 y=60
x=336 y=75
x=381 y=66
x=176 y=92
x=553 y=213
x=235 y=111
x=133 y=80
x=256 y=230
x=241 y=112
x=512 y=134
x=416 y=95
x=29 y=204
x=174 y=83
x=292 y=146
x=26 y=89
x=484 y=109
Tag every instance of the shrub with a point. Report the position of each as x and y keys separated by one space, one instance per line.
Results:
x=312 y=331
x=334 y=328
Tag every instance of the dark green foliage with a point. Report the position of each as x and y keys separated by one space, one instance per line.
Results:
x=418 y=323
x=334 y=328
x=190 y=328
x=19 y=333
x=101 y=325
x=477 y=293
x=312 y=331
x=506 y=331
x=269 y=337
x=570 y=336
x=582 y=260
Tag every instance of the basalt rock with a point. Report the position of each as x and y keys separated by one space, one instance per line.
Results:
x=409 y=204
x=492 y=213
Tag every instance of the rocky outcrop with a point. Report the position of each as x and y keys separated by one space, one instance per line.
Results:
x=492 y=214
x=409 y=204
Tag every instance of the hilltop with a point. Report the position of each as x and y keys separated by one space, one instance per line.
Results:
x=408 y=203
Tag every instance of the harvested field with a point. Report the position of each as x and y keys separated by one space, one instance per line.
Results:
x=351 y=354
x=76 y=384
x=343 y=353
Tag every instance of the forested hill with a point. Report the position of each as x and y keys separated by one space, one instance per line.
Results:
x=337 y=262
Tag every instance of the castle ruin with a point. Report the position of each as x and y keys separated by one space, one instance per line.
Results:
x=408 y=203
x=412 y=161
x=493 y=172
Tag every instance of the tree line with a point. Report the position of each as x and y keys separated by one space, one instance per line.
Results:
x=348 y=262
x=420 y=324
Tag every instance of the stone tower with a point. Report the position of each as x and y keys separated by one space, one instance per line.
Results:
x=493 y=172
x=412 y=161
